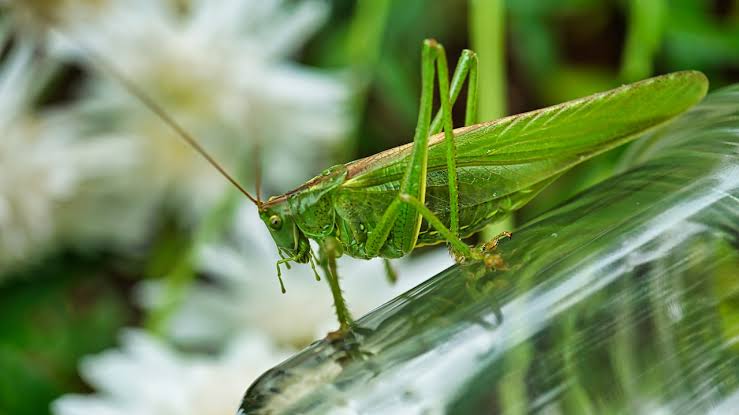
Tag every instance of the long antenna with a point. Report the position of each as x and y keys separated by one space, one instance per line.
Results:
x=258 y=170
x=99 y=61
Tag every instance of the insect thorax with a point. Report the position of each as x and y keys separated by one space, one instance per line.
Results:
x=312 y=207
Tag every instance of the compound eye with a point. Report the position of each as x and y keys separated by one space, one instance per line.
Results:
x=275 y=222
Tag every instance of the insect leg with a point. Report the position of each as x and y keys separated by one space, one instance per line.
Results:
x=329 y=252
x=466 y=67
x=313 y=266
x=392 y=276
x=451 y=152
x=379 y=235
x=493 y=243
x=490 y=257
x=279 y=273
x=456 y=243
x=470 y=116
x=400 y=216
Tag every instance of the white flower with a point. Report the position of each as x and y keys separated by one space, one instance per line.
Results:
x=44 y=167
x=148 y=377
x=222 y=69
x=247 y=295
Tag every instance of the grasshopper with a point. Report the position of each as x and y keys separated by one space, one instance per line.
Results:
x=449 y=183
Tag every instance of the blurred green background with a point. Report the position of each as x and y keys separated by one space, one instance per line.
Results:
x=72 y=302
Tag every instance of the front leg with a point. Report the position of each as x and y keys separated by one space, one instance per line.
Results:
x=330 y=250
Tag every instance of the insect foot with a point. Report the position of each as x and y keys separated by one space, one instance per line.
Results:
x=492 y=244
x=459 y=257
x=335 y=336
x=492 y=259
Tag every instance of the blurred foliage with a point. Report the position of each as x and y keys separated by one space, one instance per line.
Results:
x=53 y=315
x=553 y=51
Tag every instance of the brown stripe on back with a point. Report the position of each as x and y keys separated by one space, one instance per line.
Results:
x=357 y=167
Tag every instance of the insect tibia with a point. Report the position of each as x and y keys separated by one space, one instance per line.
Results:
x=279 y=274
x=313 y=266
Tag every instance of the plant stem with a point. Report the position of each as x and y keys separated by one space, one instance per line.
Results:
x=182 y=274
x=487 y=35
x=643 y=38
x=362 y=52
x=366 y=30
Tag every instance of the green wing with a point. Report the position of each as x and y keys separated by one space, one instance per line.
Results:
x=502 y=164
x=554 y=138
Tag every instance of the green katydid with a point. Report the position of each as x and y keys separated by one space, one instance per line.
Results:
x=445 y=186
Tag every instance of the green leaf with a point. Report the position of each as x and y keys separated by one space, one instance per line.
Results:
x=643 y=39
x=622 y=300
